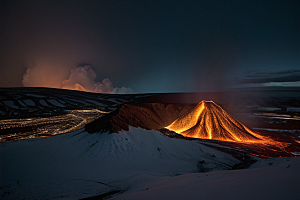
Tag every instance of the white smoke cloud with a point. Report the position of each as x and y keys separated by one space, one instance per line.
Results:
x=81 y=78
x=27 y=78
x=107 y=87
x=122 y=90
x=104 y=87
x=42 y=77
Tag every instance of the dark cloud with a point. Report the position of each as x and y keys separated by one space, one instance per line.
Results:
x=264 y=78
x=149 y=46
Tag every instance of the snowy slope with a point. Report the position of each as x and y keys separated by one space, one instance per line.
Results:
x=77 y=164
x=271 y=179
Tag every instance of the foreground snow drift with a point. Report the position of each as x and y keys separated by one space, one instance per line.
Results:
x=78 y=165
x=271 y=179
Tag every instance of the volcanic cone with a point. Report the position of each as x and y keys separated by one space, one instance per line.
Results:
x=209 y=121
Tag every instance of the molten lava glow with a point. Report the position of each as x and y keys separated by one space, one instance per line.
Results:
x=209 y=121
x=79 y=87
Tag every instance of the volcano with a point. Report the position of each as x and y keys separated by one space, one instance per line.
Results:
x=205 y=120
x=209 y=121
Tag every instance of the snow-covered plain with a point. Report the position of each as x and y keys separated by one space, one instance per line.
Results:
x=270 y=179
x=137 y=164
x=75 y=164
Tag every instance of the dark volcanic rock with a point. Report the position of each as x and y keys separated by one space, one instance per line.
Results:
x=145 y=115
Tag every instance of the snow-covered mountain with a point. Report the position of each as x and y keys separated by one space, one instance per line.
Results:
x=67 y=165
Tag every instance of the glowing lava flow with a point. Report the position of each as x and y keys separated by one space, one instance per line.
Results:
x=209 y=121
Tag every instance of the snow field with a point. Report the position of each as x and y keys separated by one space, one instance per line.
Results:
x=29 y=166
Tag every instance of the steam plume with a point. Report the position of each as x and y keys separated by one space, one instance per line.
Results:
x=81 y=78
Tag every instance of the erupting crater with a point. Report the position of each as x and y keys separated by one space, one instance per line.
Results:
x=205 y=120
x=209 y=121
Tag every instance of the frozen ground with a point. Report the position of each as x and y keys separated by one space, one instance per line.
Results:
x=270 y=179
x=78 y=165
x=137 y=164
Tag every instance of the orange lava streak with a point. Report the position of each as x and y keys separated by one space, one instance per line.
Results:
x=188 y=120
x=209 y=121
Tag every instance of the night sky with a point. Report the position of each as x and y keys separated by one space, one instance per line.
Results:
x=150 y=46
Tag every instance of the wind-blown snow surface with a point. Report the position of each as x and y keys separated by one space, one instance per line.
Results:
x=140 y=163
x=78 y=165
x=271 y=179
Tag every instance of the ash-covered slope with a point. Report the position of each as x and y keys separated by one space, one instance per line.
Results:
x=206 y=120
x=209 y=121
x=145 y=115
